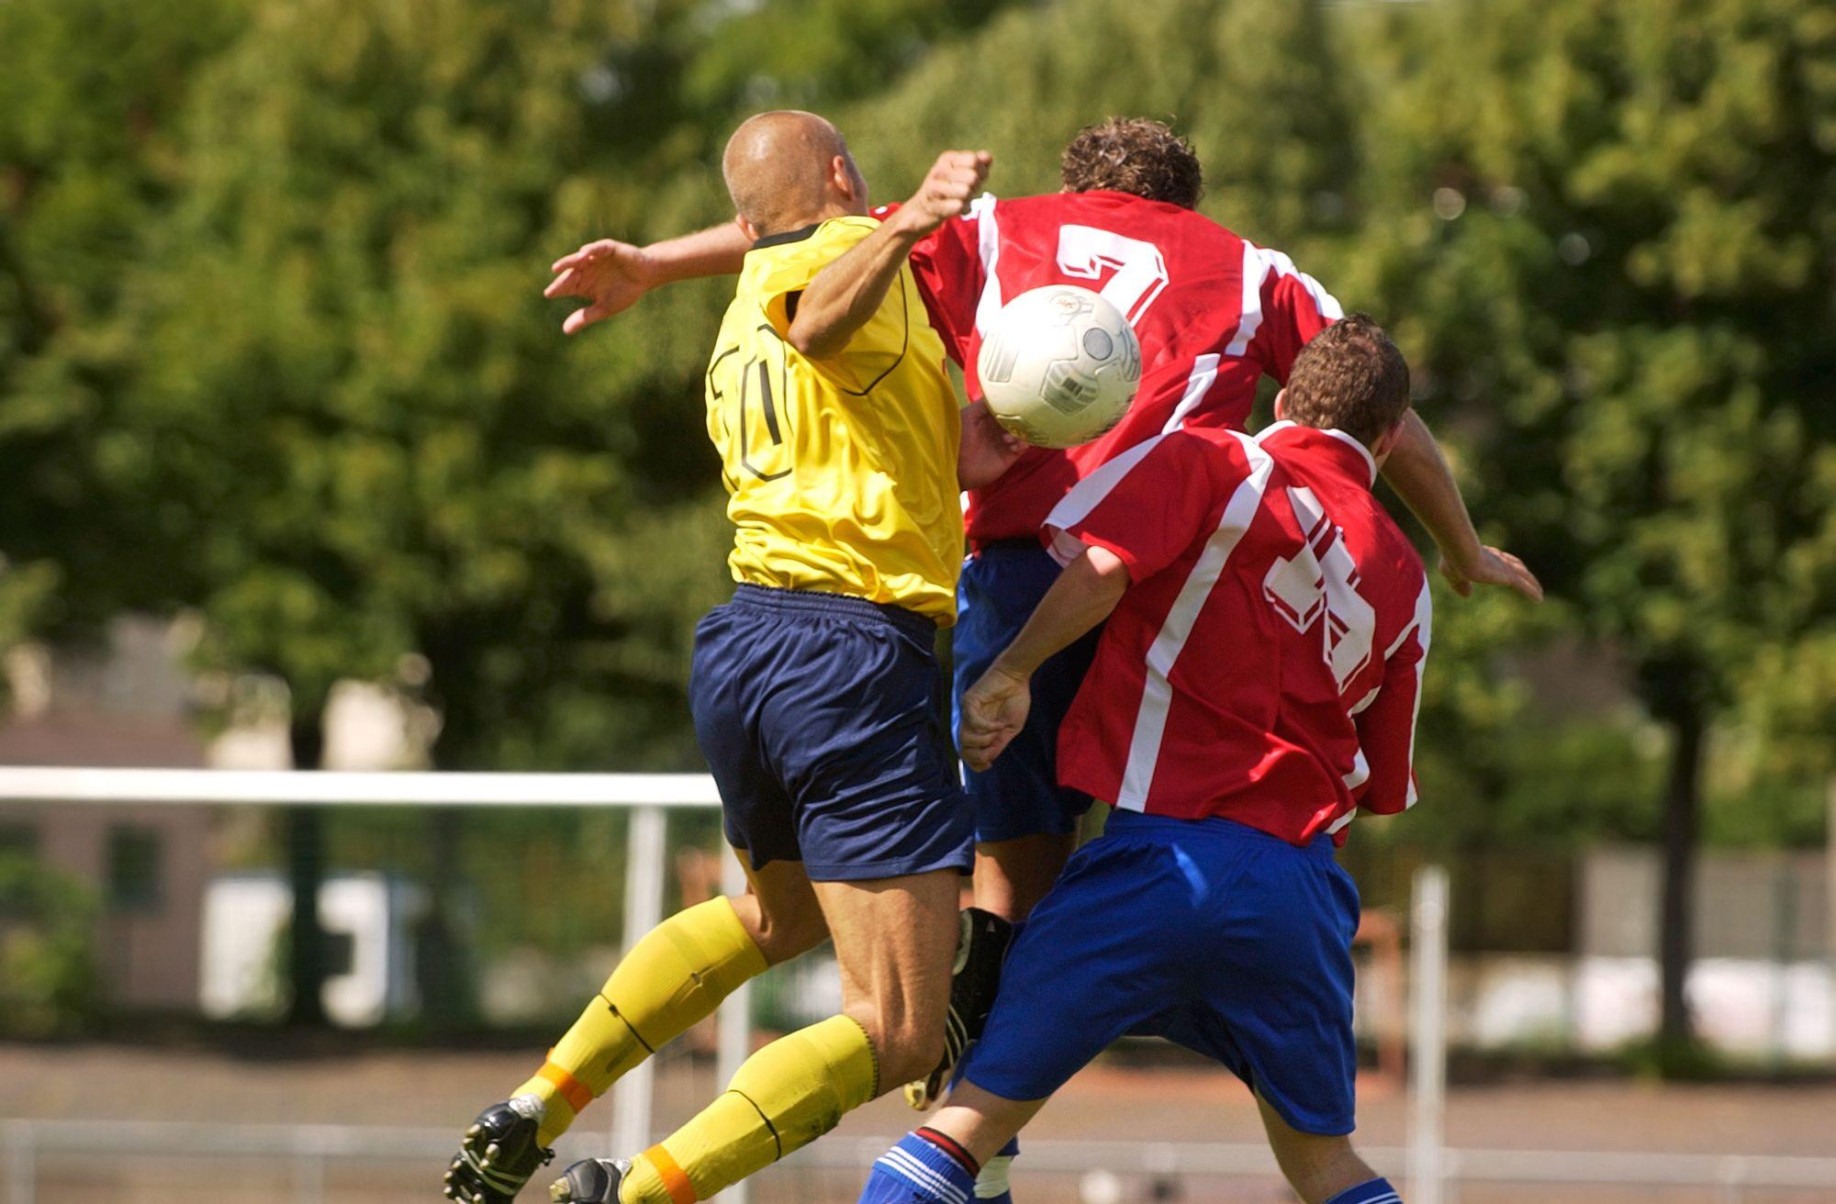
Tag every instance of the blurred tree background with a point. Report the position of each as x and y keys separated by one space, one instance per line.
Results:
x=272 y=352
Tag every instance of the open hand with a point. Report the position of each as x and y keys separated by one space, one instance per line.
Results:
x=609 y=275
x=1492 y=566
x=994 y=711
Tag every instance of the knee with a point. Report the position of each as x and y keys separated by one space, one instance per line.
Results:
x=783 y=933
x=906 y=1048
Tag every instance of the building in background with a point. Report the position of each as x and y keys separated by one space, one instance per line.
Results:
x=125 y=704
x=154 y=869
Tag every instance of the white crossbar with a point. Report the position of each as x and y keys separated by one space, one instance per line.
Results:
x=32 y=784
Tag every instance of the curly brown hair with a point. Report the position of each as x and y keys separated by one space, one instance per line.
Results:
x=1349 y=377
x=1134 y=155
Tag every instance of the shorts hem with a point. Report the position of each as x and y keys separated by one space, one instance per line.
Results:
x=1071 y=822
x=1314 y=1125
x=896 y=867
x=967 y=1074
x=1313 y=1128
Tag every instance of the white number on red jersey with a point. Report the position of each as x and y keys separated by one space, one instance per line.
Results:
x=1321 y=584
x=1140 y=269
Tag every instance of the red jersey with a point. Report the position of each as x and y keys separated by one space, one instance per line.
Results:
x=1213 y=312
x=1265 y=663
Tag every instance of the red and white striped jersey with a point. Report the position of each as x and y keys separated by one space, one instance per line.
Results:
x=1213 y=312
x=1265 y=664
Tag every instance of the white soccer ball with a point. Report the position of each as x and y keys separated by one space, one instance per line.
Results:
x=1059 y=365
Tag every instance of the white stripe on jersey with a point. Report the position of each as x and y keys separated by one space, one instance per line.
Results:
x=1257 y=264
x=1157 y=697
x=1204 y=375
x=1360 y=771
x=1254 y=269
x=1359 y=775
x=1424 y=629
x=1086 y=495
x=988 y=242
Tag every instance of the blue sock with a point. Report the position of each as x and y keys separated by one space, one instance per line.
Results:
x=920 y=1170
x=991 y=1185
x=1377 y=1191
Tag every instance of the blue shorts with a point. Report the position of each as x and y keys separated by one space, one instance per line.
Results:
x=1019 y=794
x=819 y=718
x=1227 y=940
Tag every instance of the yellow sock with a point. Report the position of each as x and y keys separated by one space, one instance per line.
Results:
x=675 y=976
x=781 y=1099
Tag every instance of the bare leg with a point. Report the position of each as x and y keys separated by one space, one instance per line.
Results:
x=779 y=910
x=981 y=1121
x=1011 y=876
x=895 y=939
x=1318 y=1168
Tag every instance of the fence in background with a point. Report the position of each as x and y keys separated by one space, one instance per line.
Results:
x=1434 y=1170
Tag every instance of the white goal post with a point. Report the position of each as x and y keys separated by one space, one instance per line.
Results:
x=648 y=796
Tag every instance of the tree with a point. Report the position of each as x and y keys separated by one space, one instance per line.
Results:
x=89 y=106
x=374 y=446
x=1601 y=256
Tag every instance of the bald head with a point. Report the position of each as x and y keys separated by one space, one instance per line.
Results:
x=789 y=169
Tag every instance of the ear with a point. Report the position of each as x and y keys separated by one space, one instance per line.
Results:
x=840 y=178
x=1281 y=409
x=747 y=228
x=1385 y=443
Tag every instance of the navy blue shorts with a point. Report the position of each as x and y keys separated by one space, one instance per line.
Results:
x=818 y=716
x=1227 y=940
x=1019 y=794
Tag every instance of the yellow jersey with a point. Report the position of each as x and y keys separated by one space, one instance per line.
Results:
x=841 y=472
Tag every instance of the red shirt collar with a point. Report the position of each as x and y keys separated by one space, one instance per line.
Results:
x=1353 y=456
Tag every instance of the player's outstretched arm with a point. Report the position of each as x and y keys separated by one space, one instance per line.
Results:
x=847 y=293
x=995 y=707
x=610 y=275
x=1418 y=472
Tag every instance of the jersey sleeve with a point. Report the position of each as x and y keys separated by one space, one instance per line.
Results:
x=1386 y=728
x=1148 y=505
x=1293 y=308
x=778 y=289
x=880 y=344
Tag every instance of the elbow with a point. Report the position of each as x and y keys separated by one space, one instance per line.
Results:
x=809 y=345
x=813 y=342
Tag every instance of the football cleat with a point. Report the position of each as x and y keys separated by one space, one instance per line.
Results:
x=498 y=1154
x=594 y=1181
x=977 y=973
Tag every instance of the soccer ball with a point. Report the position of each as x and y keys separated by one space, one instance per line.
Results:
x=1059 y=365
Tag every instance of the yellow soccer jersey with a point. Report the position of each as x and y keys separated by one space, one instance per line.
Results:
x=841 y=472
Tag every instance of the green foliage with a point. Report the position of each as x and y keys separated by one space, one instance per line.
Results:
x=89 y=102
x=1602 y=254
x=1253 y=84
x=25 y=593
x=48 y=982
x=1604 y=251
x=270 y=344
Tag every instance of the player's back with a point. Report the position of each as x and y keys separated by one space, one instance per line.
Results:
x=1270 y=602
x=841 y=471
x=1213 y=312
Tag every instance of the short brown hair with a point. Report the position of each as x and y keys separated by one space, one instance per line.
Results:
x=1351 y=378
x=1133 y=155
